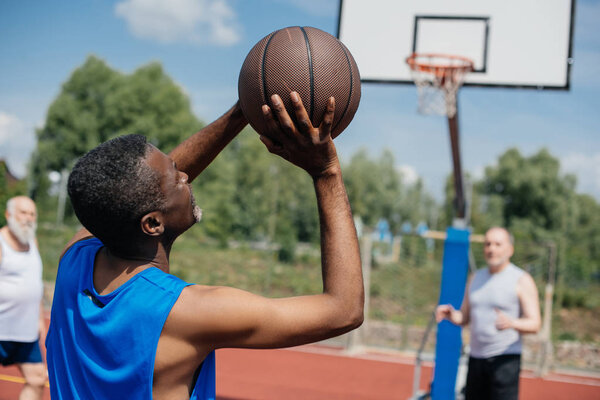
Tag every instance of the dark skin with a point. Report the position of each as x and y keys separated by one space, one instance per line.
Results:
x=206 y=318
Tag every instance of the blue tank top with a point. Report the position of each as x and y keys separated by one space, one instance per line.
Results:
x=103 y=347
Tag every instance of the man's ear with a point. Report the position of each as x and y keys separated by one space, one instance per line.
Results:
x=152 y=224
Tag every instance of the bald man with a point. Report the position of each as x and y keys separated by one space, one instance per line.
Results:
x=22 y=325
x=500 y=304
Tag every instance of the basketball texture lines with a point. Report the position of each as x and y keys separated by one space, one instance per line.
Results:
x=306 y=60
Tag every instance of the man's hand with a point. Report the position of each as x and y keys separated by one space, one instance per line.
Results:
x=442 y=312
x=446 y=311
x=303 y=145
x=503 y=321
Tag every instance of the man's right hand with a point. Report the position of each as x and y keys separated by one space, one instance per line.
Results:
x=310 y=148
x=446 y=311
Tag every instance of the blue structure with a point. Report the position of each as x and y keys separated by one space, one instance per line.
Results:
x=449 y=341
x=382 y=231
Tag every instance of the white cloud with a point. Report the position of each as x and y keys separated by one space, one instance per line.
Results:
x=587 y=170
x=409 y=174
x=192 y=21
x=17 y=141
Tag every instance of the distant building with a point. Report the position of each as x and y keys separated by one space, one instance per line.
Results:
x=9 y=178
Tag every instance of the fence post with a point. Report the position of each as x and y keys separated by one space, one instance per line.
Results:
x=545 y=354
x=355 y=337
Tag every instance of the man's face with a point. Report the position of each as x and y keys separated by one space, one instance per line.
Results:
x=21 y=219
x=497 y=247
x=181 y=210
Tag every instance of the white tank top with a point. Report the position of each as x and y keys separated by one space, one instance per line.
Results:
x=21 y=292
x=487 y=293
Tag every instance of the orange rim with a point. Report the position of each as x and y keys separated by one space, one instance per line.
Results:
x=421 y=62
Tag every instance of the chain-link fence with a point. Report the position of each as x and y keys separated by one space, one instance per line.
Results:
x=404 y=282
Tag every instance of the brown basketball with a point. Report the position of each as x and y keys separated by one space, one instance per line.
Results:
x=306 y=60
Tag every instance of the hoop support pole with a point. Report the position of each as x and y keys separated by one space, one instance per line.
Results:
x=459 y=196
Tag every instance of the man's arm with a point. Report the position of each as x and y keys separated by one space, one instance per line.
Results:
x=457 y=317
x=215 y=317
x=194 y=154
x=530 y=320
x=43 y=330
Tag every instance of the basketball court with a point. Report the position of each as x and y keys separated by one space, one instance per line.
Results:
x=327 y=373
x=438 y=46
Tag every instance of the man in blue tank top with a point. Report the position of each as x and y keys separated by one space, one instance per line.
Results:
x=122 y=327
x=500 y=304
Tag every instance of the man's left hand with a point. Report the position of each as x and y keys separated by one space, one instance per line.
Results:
x=503 y=321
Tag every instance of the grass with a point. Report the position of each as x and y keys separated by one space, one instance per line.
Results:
x=403 y=292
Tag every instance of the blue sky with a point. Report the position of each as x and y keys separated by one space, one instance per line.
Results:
x=202 y=44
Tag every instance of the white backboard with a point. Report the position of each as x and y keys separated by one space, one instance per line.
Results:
x=513 y=43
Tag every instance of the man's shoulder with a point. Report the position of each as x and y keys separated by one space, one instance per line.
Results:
x=194 y=297
x=480 y=273
x=165 y=280
x=78 y=249
x=518 y=271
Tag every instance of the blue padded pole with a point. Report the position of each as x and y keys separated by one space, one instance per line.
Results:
x=449 y=341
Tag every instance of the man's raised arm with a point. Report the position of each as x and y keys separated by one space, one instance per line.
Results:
x=214 y=317
x=194 y=154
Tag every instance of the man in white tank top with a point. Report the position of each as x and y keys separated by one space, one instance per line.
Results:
x=22 y=324
x=500 y=304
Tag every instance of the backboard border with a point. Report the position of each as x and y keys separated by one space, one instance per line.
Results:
x=486 y=20
x=570 y=60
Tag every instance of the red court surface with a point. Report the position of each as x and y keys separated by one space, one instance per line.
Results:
x=319 y=372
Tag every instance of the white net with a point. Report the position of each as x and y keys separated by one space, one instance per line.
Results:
x=438 y=78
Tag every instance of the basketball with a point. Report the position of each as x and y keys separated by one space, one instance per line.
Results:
x=306 y=60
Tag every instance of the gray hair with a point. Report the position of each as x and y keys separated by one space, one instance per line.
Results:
x=511 y=238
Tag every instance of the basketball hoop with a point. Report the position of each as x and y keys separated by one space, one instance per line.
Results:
x=438 y=78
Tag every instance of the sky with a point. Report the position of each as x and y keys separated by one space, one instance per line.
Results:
x=202 y=45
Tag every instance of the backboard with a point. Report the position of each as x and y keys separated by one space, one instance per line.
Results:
x=513 y=43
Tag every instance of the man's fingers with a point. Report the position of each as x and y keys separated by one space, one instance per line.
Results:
x=325 y=128
x=285 y=121
x=269 y=120
x=273 y=118
x=304 y=123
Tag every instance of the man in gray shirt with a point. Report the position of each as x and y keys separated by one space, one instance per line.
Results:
x=500 y=304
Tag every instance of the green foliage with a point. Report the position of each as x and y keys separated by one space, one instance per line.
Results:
x=531 y=188
x=8 y=190
x=251 y=195
x=573 y=298
x=376 y=190
x=537 y=203
x=567 y=336
x=98 y=103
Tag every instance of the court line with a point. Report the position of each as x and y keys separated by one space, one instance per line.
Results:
x=16 y=379
x=9 y=378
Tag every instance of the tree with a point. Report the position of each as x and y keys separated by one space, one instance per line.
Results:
x=98 y=103
x=537 y=203
x=376 y=190
x=532 y=189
